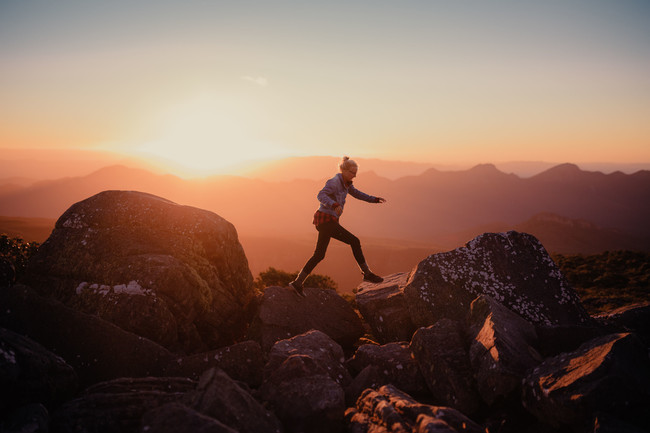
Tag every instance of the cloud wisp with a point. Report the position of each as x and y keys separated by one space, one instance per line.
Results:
x=260 y=81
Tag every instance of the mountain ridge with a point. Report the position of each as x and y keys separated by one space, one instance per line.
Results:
x=432 y=203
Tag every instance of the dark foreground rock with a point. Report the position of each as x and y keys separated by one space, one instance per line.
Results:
x=284 y=314
x=96 y=349
x=609 y=375
x=512 y=268
x=118 y=406
x=242 y=361
x=174 y=274
x=502 y=348
x=32 y=418
x=322 y=349
x=384 y=308
x=30 y=374
x=221 y=398
x=390 y=363
x=391 y=410
x=304 y=396
x=631 y=318
x=442 y=355
x=304 y=383
x=100 y=351
x=176 y=418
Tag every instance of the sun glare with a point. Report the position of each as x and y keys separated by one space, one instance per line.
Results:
x=202 y=136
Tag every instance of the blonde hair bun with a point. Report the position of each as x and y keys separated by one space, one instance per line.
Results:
x=346 y=163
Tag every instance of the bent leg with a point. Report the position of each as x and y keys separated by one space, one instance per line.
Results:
x=343 y=235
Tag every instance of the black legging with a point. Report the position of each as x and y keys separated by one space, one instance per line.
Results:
x=327 y=231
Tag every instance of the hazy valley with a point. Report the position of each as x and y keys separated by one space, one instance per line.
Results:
x=568 y=209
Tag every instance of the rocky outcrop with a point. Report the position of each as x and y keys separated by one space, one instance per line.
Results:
x=609 y=374
x=304 y=396
x=392 y=411
x=384 y=308
x=502 y=348
x=442 y=355
x=176 y=417
x=324 y=351
x=100 y=351
x=487 y=315
x=221 y=398
x=391 y=363
x=174 y=274
x=30 y=374
x=304 y=383
x=242 y=361
x=118 y=405
x=513 y=268
x=32 y=418
x=96 y=349
x=630 y=318
x=284 y=314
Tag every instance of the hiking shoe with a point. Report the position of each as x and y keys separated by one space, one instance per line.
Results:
x=297 y=287
x=372 y=278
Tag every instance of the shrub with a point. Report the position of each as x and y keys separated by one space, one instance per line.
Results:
x=17 y=252
x=276 y=277
x=609 y=280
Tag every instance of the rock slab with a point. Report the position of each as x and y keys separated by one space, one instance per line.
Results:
x=390 y=410
x=442 y=355
x=284 y=314
x=513 y=268
x=609 y=374
x=384 y=308
x=502 y=349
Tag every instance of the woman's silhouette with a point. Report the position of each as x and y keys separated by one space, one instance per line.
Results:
x=326 y=219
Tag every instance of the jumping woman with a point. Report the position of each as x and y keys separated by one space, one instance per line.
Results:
x=326 y=219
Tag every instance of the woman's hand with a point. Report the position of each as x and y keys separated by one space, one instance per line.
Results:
x=338 y=210
x=380 y=200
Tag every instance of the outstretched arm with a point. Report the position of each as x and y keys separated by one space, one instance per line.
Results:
x=365 y=197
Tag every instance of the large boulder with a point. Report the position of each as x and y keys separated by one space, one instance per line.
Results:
x=304 y=396
x=442 y=355
x=609 y=374
x=220 y=397
x=32 y=418
x=89 y=344
x=304 y=382
x=241 y=361
x=322 y=349
x=118 y=405
x=393 y=364
x=174 y=274
x=513 y=268
x=29 y=374
x=389 y=410
x=385 y=310
x=176 y=417
x=631 y=318
x=283 y=314
x=502 y=348
x=96 y=349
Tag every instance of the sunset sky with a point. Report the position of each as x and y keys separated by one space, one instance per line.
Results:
x=208 y=84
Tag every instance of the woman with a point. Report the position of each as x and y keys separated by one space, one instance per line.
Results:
x=326 y=219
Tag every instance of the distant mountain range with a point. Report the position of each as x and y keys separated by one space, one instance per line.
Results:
x=431 y=207
x=568 y=209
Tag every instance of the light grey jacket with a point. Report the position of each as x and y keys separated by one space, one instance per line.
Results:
x=335 y=191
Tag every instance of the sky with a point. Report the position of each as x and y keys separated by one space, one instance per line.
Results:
x=206 y=85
